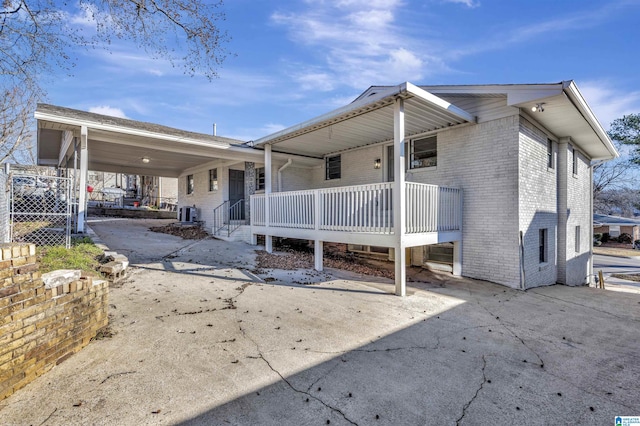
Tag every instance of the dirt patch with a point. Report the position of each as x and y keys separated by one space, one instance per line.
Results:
x=291 y=259
x=187 y=232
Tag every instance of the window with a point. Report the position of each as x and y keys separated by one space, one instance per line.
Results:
x=333 y=167
x=577 y=239
x=550 y=153
x=189 y=184
x=575 y=161
x=213 y=179
x=259 y=178
x=424 y=153
x=543 y=245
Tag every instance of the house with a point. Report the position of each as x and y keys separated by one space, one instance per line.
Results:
x=495 y=179
x=616 y=226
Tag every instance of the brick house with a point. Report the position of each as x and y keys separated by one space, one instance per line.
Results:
x=616 y=226
x=494 y=180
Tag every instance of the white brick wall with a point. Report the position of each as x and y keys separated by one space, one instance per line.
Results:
x=537 y=204
x=579 y=214
x=201 y=197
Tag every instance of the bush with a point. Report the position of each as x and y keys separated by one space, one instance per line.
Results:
x=605 y=237
x=597 y=243
x=597 y=237
x=625 y=238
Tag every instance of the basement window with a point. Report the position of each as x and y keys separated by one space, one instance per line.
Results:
x=543 y=243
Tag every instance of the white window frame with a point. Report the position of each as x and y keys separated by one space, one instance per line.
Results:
x=430 y=160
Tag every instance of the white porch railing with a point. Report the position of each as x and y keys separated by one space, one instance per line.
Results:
x=361 y=208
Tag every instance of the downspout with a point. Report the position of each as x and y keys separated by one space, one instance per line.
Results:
x=287 y=164
x=590 y=267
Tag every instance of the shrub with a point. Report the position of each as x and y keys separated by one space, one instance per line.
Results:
x=625 y=238
x=605 y=237
x=597 y=237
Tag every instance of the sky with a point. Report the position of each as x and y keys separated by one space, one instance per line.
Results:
x=296 y=59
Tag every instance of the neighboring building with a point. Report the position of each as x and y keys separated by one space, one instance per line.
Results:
x=616 y=226
x=494 y=179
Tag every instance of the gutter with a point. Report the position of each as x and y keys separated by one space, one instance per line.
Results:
x=575 y=97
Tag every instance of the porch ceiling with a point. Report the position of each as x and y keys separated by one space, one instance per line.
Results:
x=367 y=121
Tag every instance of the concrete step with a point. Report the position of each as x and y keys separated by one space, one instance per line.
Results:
x=242 y=233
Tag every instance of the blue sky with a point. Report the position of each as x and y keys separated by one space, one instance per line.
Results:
x=295 y=60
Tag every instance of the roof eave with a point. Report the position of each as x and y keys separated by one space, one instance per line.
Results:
x=574 y=95
x=360 y=106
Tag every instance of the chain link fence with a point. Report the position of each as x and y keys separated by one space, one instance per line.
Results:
x=5 y=201
x=40 y=209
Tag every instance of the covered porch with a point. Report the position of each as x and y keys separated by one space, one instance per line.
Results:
x=396 y=214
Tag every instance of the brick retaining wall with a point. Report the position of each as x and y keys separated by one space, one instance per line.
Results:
x=40 y=327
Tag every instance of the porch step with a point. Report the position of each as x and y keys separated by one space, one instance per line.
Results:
x=242 y=233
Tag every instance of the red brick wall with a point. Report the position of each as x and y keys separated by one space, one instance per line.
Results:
x=41 y=327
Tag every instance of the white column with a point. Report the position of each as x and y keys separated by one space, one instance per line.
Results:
x=457 y=258
x=318 y=248
x=82 y=190
x=399 y=198
x=563 y=213
x=268 y=240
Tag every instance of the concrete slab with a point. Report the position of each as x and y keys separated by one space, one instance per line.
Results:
x=202 y=340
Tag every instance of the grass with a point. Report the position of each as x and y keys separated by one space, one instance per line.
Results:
x=630 y=277
x=616 y=251
x=83 y=255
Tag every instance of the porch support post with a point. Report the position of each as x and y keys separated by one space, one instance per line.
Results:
x=268 y=240
x=84 y=166
x=457 y=258
x=399 y=198
x=318 y=249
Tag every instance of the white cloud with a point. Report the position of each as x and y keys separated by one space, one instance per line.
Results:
x=609 y=102
x=108 y=110
x=362 y=44
x=468 y=3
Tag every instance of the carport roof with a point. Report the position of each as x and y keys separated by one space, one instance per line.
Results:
x=118 y=144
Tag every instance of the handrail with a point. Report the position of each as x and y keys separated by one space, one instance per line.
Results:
x=235 y=216
x=220 y=216
x=228 y=215
x=362 y=208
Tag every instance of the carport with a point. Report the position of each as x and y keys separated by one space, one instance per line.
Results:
x=79 y=141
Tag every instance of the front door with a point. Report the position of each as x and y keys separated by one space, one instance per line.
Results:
x=236 y=193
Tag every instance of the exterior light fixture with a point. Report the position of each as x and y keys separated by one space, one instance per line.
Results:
x=145 y=160
x=538 y=107
x=377 y=163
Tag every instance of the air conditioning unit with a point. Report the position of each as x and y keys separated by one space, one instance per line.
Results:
x=188 y=214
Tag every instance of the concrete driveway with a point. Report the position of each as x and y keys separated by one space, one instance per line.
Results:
x=617 y=265
x=202 y=340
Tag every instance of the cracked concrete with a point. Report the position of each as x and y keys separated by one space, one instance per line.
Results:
x=202 y=340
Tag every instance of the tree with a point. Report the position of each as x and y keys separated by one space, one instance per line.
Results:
x=626 y=130
x=38 y=37
x=613 y=180
x=16 y=110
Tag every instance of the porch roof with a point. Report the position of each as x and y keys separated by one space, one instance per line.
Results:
x=367 y=121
